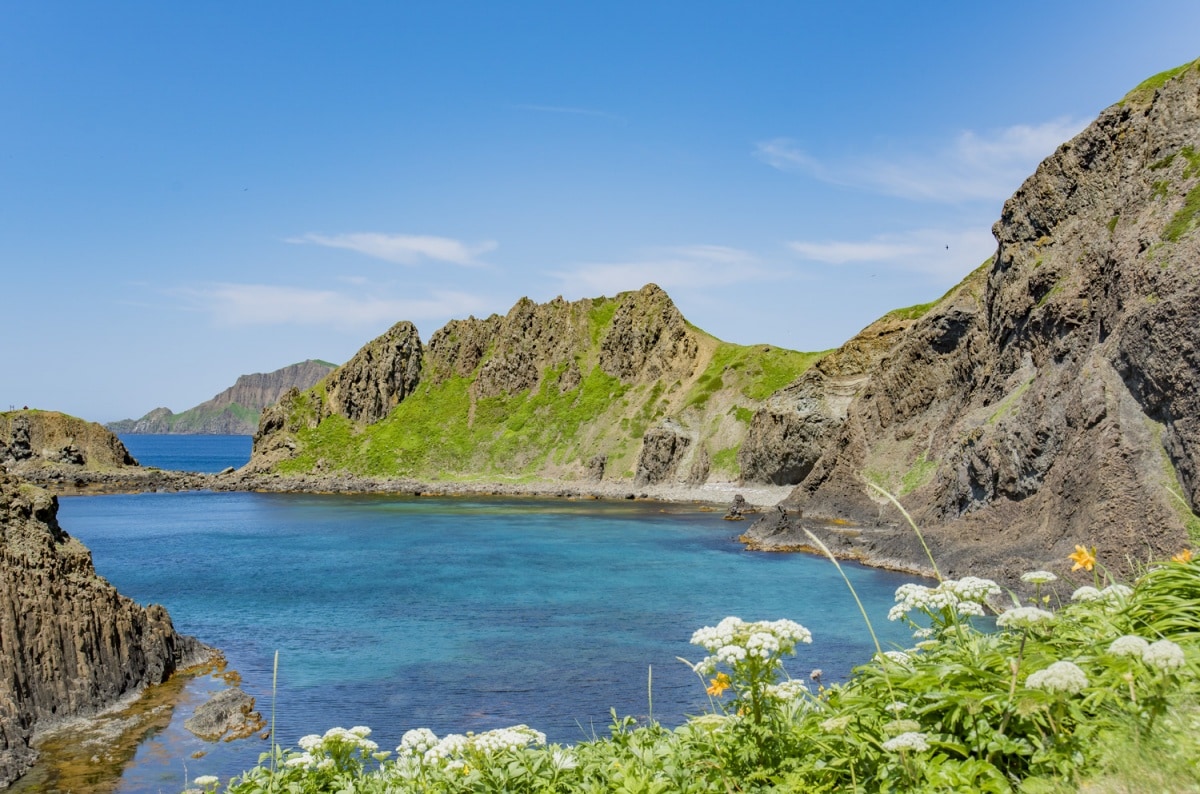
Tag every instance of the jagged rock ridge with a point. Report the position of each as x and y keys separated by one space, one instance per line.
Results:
x=616 y=388
x=236 y=410
x=1053 y=398
x=72 y=645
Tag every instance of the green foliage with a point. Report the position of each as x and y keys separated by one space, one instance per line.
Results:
x=725 y=460
x=912 y=312
x=1185 y=218
x=756 y=371
x=1006 y=405
x=1144 y=92
x=918 y=474
x=1112 y=224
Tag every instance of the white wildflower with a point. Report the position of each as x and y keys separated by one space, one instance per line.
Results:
x=309 y=742
x=909 y=740
x=303 y=759
x=896 y=706
x=1128 y=645
x=787 y=691
x=417 y=742
x=361 y=731
x=1086 y=593
x=1038 y=577
x=206 y=780
x=969 y=609
x=1058 y=677
x=1117 y=592
x=899 y=657
x=563 y=758
x=1164 y=654
x=1024 y=618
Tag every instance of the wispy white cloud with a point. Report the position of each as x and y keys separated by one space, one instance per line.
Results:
x=404 y=249
x=972 y=167
x=270 y=304
x=678 y=267
x=938 y=252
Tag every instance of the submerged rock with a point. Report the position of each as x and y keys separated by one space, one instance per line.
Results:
x=228 y=715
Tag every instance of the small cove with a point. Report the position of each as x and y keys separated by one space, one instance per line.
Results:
x=453 y=614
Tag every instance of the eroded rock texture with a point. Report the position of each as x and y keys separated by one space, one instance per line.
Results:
x=70 y=644
x=1054 y=397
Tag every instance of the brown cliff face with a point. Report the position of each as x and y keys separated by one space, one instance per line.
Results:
x=367 y=387
x=70 y=644
x=1057 y=402
x=33 y=439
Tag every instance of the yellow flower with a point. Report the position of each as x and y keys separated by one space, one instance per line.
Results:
x=718 y=685
x=1083 y=558
x=1183 y=556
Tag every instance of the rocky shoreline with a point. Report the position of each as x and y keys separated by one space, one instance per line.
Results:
x=70 y=481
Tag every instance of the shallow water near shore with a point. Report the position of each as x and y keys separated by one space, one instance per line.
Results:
x=454 y=614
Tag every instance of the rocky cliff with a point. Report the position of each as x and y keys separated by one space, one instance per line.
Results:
x=32 y=439
x=70 y=645
x=236 y=410
x=1053 y=398
x=609 y=388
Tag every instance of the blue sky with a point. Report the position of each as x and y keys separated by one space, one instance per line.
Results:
x=190 y=192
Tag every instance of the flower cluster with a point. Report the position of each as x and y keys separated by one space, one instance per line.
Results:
x=911 y=740
x=1024 y=618
x=421 y=746
x=787 y=691
x=733 y=641
x=1164 y=654
x=1059 y=677
x=1113 y=595
x=320 y=751
x=1038 y=577
x=952 y=598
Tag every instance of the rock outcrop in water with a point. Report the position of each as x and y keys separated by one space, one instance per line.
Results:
x=236 y=410
x=1053 y=398
x=613 y=388
x=70 y=644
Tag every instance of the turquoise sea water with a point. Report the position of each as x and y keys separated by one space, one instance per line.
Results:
x=199 y=453
x=453 y=614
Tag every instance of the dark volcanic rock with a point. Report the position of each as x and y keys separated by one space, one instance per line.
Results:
x=367 y=387
x=1052 y=399
x=70 y=644
x=663 y=449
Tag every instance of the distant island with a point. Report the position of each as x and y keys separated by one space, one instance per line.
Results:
x=234 y=411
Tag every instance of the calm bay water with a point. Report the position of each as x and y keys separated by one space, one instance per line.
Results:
x=198 y=453
x=453 y=614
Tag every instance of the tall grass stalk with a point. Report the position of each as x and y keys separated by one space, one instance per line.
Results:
x=937 y=574
x=275 y=748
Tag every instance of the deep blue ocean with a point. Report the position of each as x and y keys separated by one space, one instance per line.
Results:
x=454 y=614
x=204 y=454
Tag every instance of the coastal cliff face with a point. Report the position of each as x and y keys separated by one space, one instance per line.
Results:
x=236 y=410
x=32 y=439
x=1053 y=398
x=70 y=645
x=609 y=388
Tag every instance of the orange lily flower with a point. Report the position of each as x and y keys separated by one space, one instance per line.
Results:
x=1183 y=556
x=1083 y=558
x=718 y=685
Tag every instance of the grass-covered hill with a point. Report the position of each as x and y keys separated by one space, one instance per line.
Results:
x=236 y=410
x=620 y=388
